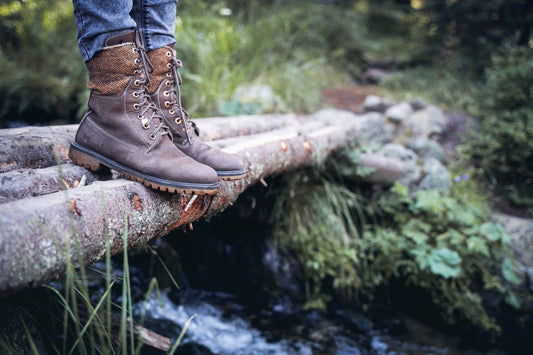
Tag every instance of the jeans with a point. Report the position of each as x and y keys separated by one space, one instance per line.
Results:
x=98 y=19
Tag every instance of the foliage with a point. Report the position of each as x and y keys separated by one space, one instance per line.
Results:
x=41 y=69
x=288 y=48
x=479 y=28
x=319 y=220
x=502 y=143
x=445 y=245
x=448 y=85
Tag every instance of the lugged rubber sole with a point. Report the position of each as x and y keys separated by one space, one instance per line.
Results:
x=95 y=161
x=231 y=175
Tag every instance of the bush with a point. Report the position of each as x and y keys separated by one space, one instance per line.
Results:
x=501 y=145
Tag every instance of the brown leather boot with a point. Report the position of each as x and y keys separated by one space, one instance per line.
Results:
x=164 y=87
x=123 y=129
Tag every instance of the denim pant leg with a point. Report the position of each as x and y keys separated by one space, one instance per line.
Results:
x=156 y=19
x=96 y=20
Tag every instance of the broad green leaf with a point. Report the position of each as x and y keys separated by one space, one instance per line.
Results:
x=478 y=245
x=492 y=231
x=445 y=262
x=508 y=271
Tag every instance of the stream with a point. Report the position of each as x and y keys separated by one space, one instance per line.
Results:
x=246 y=297
x=223 y=326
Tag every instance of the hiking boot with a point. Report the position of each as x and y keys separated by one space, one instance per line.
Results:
x=123 y=129
x=164 y=88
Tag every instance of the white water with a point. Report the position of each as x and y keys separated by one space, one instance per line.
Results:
x=210 y=328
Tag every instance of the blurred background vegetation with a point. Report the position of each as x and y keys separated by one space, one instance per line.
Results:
x=468 y=55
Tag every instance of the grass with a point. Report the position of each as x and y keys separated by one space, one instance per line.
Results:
x=71 y=316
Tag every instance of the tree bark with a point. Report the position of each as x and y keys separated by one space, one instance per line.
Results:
x=38 y=234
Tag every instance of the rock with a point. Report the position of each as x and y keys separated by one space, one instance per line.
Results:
x=436 y=177
x=520 y=230
x=375 y=75
x=427 y=122
x=375 y=128
x=418 y=104
x=253 y=99
x=398 y=112
x=411 y=171
x=427 y=149
x=375 y=103
x=398 y=151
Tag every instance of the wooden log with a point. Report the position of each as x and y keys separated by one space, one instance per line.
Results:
x=38 y=234
x=39 y=147
x=23 y=183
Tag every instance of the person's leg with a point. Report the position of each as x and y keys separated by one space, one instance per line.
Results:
x=156 y=20
x=97 y=20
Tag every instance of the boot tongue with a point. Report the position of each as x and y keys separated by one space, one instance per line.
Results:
x=121 y=38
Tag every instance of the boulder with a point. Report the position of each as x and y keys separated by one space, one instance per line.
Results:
x=427 y=149
x=427 y=122
x=436 y=176
x=418 y=104
x=398 y=112
x=375 y=103
x=411 y=172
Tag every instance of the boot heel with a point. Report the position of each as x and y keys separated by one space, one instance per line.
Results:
x=84 y=159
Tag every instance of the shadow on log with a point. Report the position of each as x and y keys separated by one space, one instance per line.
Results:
x=45 y=218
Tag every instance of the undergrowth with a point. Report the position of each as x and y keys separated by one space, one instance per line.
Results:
x=443 y=244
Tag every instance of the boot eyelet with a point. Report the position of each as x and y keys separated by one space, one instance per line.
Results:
x=167 y=104
x=136 y=72
x=169 y=66
x=167 y=84
x=153 y=136
x=140 y=117
x=137 y=82
x=166 y=93
x=135 y=94
x=137 y=61
x=171 y=112
x=135 y=50
x=146 y=126
x=177 y=120
x=169 y=75
x=136 y=106
x=168 y=54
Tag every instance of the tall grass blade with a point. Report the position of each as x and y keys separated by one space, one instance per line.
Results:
x=178 y=341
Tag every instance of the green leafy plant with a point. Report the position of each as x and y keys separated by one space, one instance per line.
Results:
x=501 y=145
x=445 y=245
x=448 y=246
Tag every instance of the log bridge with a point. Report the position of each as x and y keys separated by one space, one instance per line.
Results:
x=52 y=210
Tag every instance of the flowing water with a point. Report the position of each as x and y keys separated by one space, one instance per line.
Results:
x=220 y=325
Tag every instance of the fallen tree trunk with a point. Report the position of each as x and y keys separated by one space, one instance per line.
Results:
x=38 y=234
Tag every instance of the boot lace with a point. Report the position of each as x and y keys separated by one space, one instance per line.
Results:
x=148 y=111
x=175 y=100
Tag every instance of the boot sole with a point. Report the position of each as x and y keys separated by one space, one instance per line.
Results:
x=95 y=161
x=232 y=174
